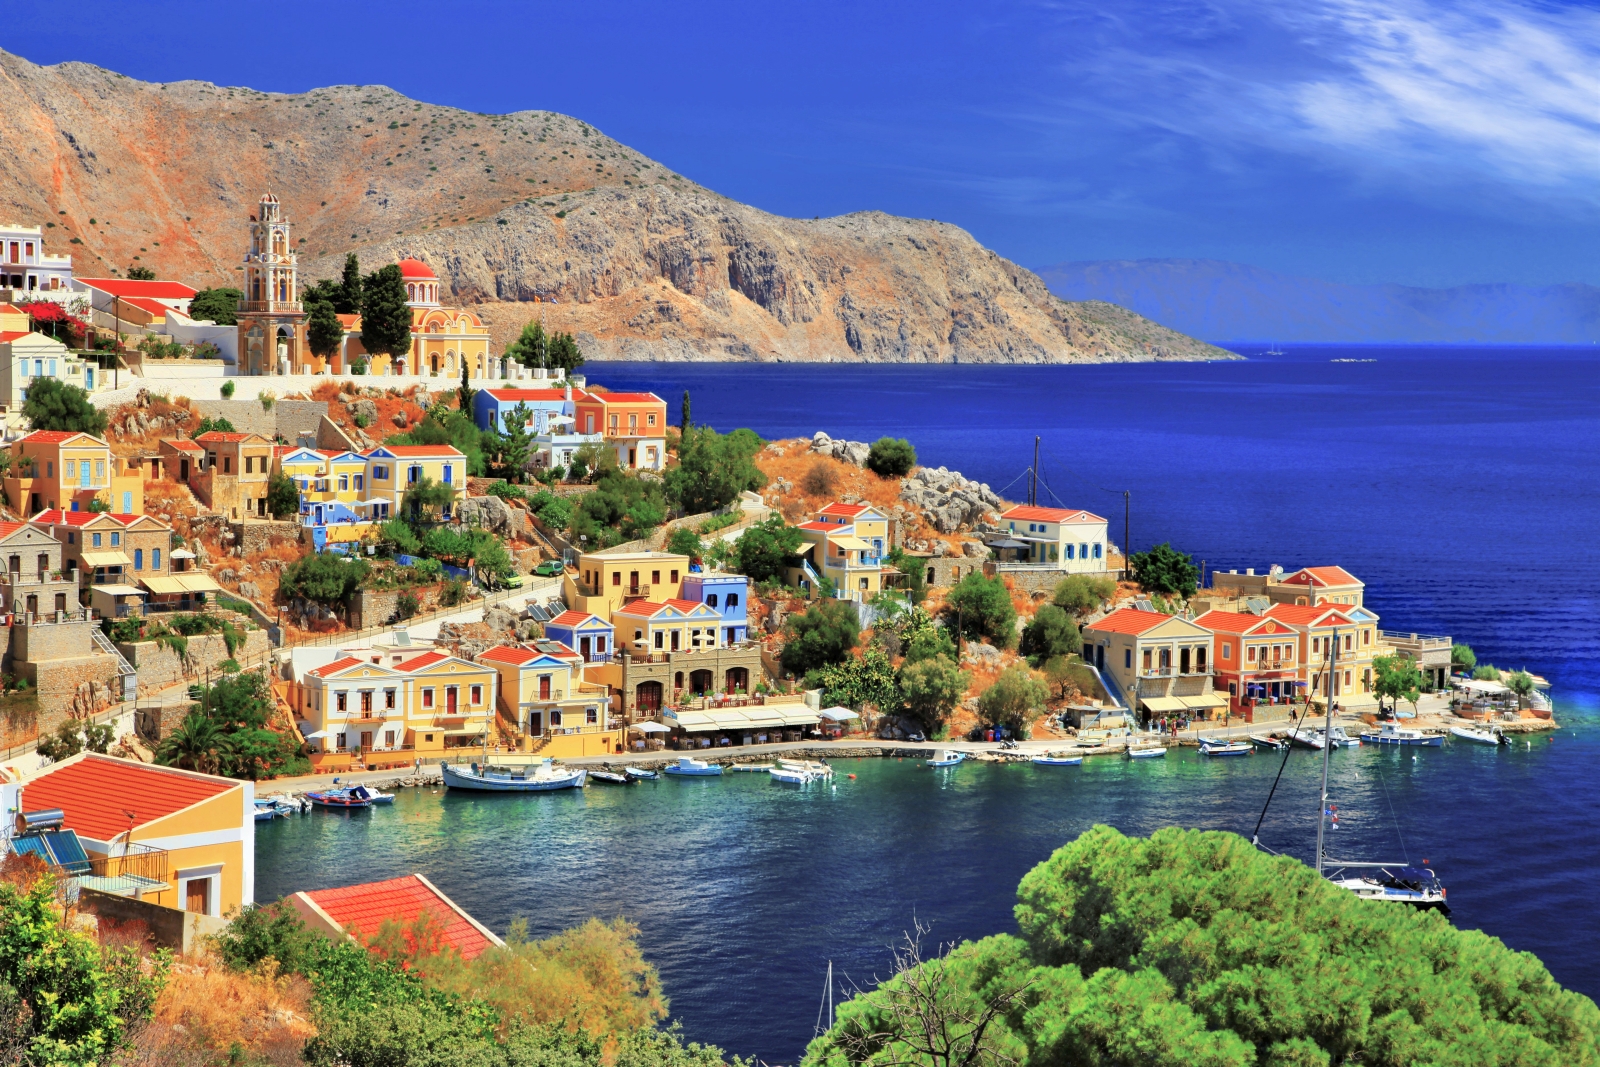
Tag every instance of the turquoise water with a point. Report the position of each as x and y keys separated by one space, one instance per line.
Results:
x=744 y=889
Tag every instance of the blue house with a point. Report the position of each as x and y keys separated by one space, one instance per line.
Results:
x=727 y=594
x=490 y=406
x=588 y=635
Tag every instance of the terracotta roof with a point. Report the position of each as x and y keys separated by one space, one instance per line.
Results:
x=56 y=437
x=11 y=335
x=1308 y=615
x=415 y=268
x=154 y=307
x=646 y=608
x=9 y=528
x=821 y=527
x=182 y=443
x=335 y=667
x=125 y=287
x=222 y=437
x=507 y=654
x=419 y=450
x=95 y=790
x=849 y=511
x=685 y=605
x=1129 y=621
x=1322 y=576
x=1028 y=513
x=625 y=398
x=1233 y=622
x=427 y=659
x=527 y=394
x=364 y=908
x=572 y=618
x=57 y=517
x=129 y=520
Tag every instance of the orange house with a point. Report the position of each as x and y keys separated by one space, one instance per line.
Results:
x=635 y=424
x=1257 y=661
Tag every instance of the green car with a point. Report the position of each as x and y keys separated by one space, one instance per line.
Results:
x=513 y=582
x=550 y=568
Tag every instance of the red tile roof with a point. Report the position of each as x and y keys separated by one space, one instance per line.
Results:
x=819 y=526
x=527 y=394
x=222 y=436
x=9 y=528
x=94 y=791
x=335 y=667
x=364 y=908
x=124 y=287
x=645 y=608
x=1028 y=513
x=685 y=605
x=625 y=398
x=1309 y=615
x=1233 y=622
x=427 y=659
x=419 y=450
x=507 y=654
x=154 y=307
x=572 y=618
x=183 y=443
x=1322 y=576
x=7 y=336
x=56 y=437
x=849 y=511
x=57 y=517
x=1129 y=621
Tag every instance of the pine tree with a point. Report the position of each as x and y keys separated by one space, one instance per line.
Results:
x=529 y=349
x=564 y=352
x=385 y=315
x=348 y=301
x=516 y=443
x=324 y=331
x=683 y=418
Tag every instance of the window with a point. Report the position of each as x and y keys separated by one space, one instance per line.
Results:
x=388 y=699
x=592 y=716
x=1349 y=639
x=138 y=559
x=674 y=576
x=366 y=702
x=1127 y=659
x=711 y=600
x=96 y=540
x=650 y=420
x=249 y=464
x=1250 y=653
x=388 y=739
x=71 y=469
x=448 y=468
x=1288 y=653
x=638 y=637
x=1227 y=651
x=477 y=694
x=655 y=577
x=1083 y=551
x=155 y=559
x=70 y=536
x=659 y=639
x=1069 y=551
x=344 y=482
x=732 y=602
x=1097 y=548
x=116 y=539
x=380 y=473
x=227 y=464
x=340 y=701
x=358 y=479
x=555 y=718
x=338 y=740
x=616 y=577
x=427 y=697
x=413 y=473
x=1147 y=659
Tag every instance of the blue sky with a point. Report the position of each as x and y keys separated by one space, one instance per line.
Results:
x=1407 y=141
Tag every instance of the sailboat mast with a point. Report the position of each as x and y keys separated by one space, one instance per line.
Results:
x=1327 y=748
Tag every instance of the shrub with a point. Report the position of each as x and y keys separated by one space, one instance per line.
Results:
x=267 y=400
x=764 y=549
x=1165 y=570
x=406 y=605
x=820 y=479
x=1015 y=699
x=982 y=608
x=891 y=457
x=1082 y=593
x=323 y=577
x=823 y=634
x=453 y=593
x=685 y=542
x=932 y=687
x=227 y=390
x=1462 y=658
x=1051 y=633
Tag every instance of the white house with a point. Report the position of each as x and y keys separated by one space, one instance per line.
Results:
x=1070 y=541
x=25 y=266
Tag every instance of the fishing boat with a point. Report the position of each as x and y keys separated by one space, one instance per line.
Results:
x=372 y=796
x=1480 y=735
x=494 y=778
x=689 y=767
x=791 y=775
x=1395 y=734
x=815 y=768
x=609 y=778
x=1268 y=742
x=640 y=774
x=1221 y=747
x=1341 y=739
x=947 y=758
x=750 y=768
x=1056 y=759
x=1147 y=750
x=267 y=810
x=338 y=800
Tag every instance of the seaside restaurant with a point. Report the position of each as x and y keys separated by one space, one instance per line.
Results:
x=757 y=724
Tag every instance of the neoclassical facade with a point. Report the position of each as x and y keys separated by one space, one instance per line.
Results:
x=272 y=330
x=441 y=337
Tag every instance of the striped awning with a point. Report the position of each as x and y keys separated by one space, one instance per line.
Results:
x=106 y=559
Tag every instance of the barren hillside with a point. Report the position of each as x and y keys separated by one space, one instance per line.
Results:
x=640 y=262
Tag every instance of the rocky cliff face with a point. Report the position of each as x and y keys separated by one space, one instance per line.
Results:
x=523 y=215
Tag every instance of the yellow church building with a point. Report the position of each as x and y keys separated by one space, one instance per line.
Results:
x=441 y=337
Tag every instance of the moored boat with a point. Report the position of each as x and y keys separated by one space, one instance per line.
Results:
x=372 y=796
x=1398 y=882
x=1395 y=734
x=791 y=775
x=609 y=778
x=338 y=800
x=640 y=774
x=947 y=758
x=815 y=768
x=1268 y=742
x=689 y=767
x=1210 y=747
x=1480 y=735
x=539 y=778
x=1146 y=751
x=1056 y=759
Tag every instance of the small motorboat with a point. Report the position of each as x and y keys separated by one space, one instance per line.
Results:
x=1268 y=743
x=540 y=778
x=1222 y=747
x=1398 y=882
x=1056 y=759
x=338 y=800
x=1480 y=735
x=1395 y=734
x=689 y=767
x=815 y=768
x=267 y=810
x=1146 y=751
x=609 y=778
x=1343 y=740
x=1306 y=738
x=750 y=768
x=947 y=758
x=640 y=774
x=791 y=775
x=371 y=795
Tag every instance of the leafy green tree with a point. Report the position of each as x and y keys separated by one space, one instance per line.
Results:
x=1522 y=684
x=283 y=496
x=594 y=461
x=141 y=274
x=891 y=457
x=1064 y=671
x=713 y=469
x=324 y=331
x=1051 y=633
x=385 y=315
x=621 y=508
x=1486 y=672
x=929 y=642
x=932 y=688
x=857 y=681
x=914 y=584
x=226 y=731
x=1396 y=678
x=1194 y=948
x=1462 y=658
x=52 y=404
x=1165 y=570
x=450 y=426
x=70 y=1001
x=350 y=298
x=554 y=511
x=1082 y=593
x=1015 y=699
x=982 y=608
x=531 y=348
x=685 y=542
x=207 y=424
x=428 y=500
x=821 y=635
x=220 y=306
x=516 y=443
x=67 y=742
x=325 y=578
x=764 y=549
x=398 y=536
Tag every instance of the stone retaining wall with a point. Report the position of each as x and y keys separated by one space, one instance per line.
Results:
x=71 y=688
x=257 y=534
x=159 y=666
x=1041 y=581
x=287 y=419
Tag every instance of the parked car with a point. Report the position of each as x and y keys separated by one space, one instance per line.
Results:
x=550 y=568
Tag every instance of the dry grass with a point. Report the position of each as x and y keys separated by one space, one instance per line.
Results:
x=208 y=1014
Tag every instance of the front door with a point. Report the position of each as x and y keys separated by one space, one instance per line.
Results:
x=675 y=634
x=535 y=723
x=366 y=739
x=183 y=470
x=197 y=896
x=583 y=648
x=450 y=699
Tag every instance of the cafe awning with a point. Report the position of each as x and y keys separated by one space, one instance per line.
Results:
x=1209 y=700
x=838 y=714
x=106 y=559
x=181 y=583
x=1164 y=704
x=117 y=590
x=650 y=727
x=798 y=716
x=693 y=720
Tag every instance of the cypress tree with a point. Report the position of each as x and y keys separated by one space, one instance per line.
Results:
x=385 y=315
x=347 y=300
x=466 y=390
x=683 y=417
x=324 y=331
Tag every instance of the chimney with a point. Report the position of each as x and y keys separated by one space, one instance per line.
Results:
x=1250 y=571
x=568 y=394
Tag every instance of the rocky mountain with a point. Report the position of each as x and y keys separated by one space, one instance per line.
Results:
x=1232 y=301
x=526 y=214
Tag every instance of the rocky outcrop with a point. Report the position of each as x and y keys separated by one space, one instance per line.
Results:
x=948 y=500
x=853 y=452
x=633 y=259
x=495 y=515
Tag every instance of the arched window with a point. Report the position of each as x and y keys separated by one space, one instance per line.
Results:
x=450 y=363
x=138 y=559
x=411 y=291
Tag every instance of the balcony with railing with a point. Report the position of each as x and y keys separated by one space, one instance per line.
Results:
x=130 y=871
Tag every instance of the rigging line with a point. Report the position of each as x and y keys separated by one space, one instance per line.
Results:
x=1086 y=481
x=1255 y=837
x=1405 y=853
x=1001 y=491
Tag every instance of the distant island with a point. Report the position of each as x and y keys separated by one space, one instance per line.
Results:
x=1224 y=301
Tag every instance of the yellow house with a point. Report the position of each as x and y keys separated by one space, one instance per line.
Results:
x=177 y=838
x=673 y=626
x=544 y=697
x=303 y=466
x=608 y=580
x=393 y=469
x=845 y=543
x=66 y=470
x=422 y=705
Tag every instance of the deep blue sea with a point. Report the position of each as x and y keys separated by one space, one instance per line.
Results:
x=1460 y=484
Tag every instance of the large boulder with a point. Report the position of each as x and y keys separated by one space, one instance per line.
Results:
x=949 y=500
x=494 y=515
x=854 y=452
x=365 y=412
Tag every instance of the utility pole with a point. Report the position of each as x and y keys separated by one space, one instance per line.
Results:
x=1033 y=476
x=1127 y=543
